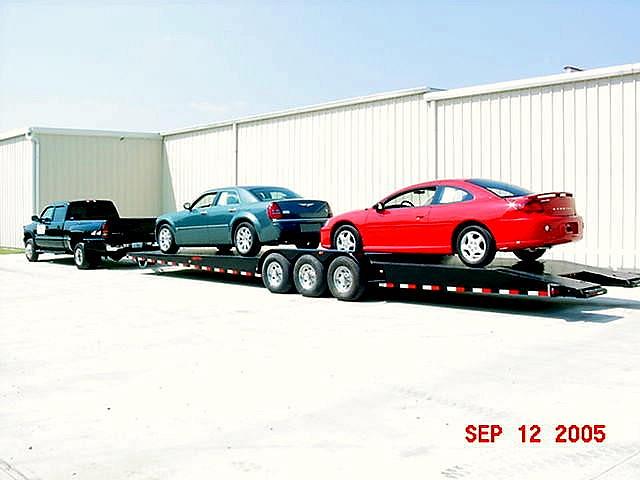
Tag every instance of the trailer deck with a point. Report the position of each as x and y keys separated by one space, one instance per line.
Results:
x=347 y=275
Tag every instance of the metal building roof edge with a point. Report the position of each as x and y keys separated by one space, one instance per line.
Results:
x=308 y=109
x=18 y=132
x=535 y=82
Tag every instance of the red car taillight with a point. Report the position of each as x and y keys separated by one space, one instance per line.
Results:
x=274 y=212
x=532 y=205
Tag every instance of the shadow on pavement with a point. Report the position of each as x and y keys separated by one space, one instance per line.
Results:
x=595 y=310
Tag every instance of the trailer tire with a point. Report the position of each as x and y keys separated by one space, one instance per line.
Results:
x=345 y=280
x=276 y=274
x=84 y=258
x=309 y=276
x=30 y=250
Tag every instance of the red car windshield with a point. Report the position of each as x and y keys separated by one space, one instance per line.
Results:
x=501 y=189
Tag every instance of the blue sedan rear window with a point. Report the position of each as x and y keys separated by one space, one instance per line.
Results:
x=266 y=194
x=500 y=189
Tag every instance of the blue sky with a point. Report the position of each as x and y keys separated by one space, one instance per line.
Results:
x=167 y=64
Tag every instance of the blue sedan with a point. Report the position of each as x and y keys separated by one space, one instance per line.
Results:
x=245 y=218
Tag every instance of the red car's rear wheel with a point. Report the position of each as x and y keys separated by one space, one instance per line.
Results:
x=475 y=246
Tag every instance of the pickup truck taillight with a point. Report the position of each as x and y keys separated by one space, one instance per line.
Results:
x=105 y=230
x=274 y=212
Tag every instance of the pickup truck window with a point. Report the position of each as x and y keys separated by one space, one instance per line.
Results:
x=47 y=214
x=100 y=210
x=58 y=215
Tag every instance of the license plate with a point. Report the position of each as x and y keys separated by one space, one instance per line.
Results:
x=137 y=245
x=309 y=227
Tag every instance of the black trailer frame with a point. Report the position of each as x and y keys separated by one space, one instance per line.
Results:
x=347 y=275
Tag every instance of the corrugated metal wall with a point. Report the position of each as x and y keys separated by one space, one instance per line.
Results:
x=581 y=137
x=127 y=171
x=194 y=162
x=16 y=189
x=350 y=155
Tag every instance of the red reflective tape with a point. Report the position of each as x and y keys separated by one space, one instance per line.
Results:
x=208 y=269
x=196 y=258
x=459 y=289
x=514 y=292
x=542 y=293
x=487 y=290
x=386 y=285
x=197 y=267
x=218 y=270
x=232 y=272
x=246 y=274
x=151 y=260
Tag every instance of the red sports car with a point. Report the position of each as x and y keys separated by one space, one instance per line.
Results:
x=471 y=218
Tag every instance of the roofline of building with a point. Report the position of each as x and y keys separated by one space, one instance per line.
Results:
x=297 y=111
x=18 y=132
x=536 y=82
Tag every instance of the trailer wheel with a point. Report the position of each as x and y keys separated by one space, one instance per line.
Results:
x=276 y=274
x=309 y=276
x=84 y=258
x=30 y=250
x=345 y=279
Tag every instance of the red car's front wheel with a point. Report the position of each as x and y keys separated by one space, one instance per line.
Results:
x=475 y=246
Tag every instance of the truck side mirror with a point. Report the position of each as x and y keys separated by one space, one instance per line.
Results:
x=379 y=207
x=186 y=206
x=35 y=218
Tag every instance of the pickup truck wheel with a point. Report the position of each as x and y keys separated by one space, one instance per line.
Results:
x=246 y=241
x=309 y=276
x=84 y=258
x=30 y=250
x=276 y=273
x=166 y=240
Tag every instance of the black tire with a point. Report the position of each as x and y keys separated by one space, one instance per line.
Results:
x=166 y=240
x=478 y=254
x=276 y=274
x=346 y=238
x=84 y=258
x=309 y=276
x=245 y=240
x=529 y=254
x=30 y=250
x=224 y=249
x=307 y=244
x=345 y=280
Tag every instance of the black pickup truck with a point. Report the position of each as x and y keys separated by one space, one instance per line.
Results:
x=88 y=229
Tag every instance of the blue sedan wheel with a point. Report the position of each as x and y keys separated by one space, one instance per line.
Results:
x=245 y=239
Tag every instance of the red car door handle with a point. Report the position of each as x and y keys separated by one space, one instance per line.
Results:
x=419 y=217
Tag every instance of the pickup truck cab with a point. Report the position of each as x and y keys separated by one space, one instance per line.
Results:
x=88 y=229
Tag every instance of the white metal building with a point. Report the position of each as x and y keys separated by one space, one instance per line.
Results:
x=41 y=165
x=573 y=131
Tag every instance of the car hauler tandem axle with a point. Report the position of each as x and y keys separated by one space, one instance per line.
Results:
x=347 y=275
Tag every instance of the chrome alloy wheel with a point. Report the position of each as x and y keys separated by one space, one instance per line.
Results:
x=165 y=239
x=307 y=276
x=346 y=241
x=342 y=279
x=275 y=274
x=473 y=246
x=244 y=239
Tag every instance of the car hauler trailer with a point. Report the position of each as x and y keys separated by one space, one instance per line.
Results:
x=347 y=275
